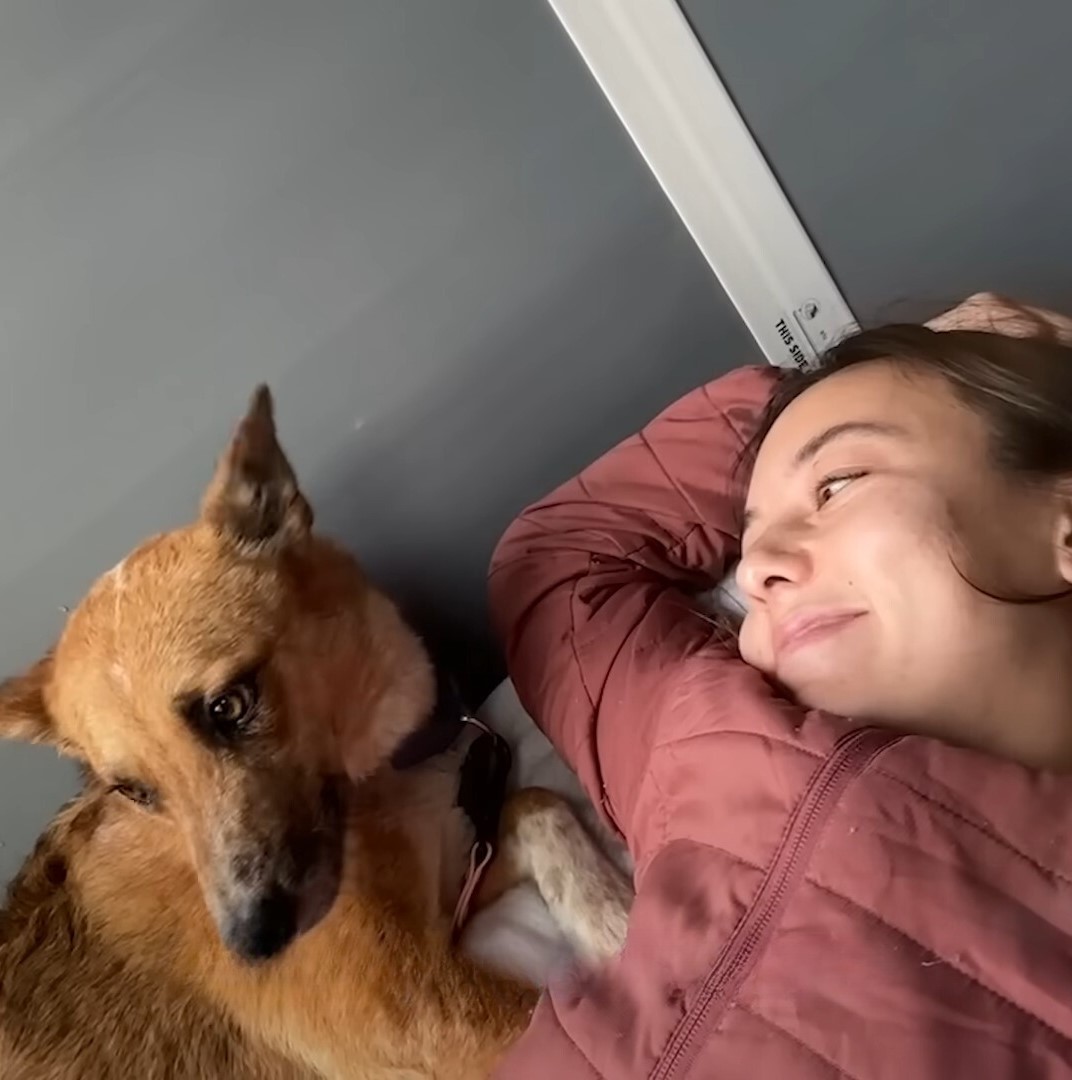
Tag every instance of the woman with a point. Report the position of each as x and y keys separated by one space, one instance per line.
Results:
x=820 y=896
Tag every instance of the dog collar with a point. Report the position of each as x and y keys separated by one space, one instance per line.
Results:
x=439 y=732
x=482 y=778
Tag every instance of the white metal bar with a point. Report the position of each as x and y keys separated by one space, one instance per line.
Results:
x=664 y=89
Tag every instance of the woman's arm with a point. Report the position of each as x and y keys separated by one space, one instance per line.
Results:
x=591 y=588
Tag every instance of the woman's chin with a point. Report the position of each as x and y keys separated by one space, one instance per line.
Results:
x=828 y=683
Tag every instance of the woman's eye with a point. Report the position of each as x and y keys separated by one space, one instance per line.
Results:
x=832 y=485
x=229 y=710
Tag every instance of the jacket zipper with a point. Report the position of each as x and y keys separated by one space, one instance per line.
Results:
x=851 y=755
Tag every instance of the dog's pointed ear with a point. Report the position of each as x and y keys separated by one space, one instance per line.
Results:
x=23 y=711
x=254 y=497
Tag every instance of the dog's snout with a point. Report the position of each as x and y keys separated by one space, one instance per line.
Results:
x=276 y=872
x=263 y=926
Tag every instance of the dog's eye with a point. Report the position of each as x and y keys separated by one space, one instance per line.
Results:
x=230 y=710
x=135 y=792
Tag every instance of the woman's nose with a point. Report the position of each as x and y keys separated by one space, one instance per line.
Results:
x=770 y=563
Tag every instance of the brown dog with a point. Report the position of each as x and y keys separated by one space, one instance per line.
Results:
x=246 y=888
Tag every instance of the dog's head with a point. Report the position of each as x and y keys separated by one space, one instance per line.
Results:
x=233 y=677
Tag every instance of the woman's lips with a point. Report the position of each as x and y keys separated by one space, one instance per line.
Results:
x=808 y=627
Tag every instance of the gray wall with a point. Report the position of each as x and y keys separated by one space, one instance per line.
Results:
x=416 y=218
x=925 y=143
x=421 y=223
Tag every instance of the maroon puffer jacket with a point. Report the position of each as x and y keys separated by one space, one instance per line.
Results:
x=814 y=899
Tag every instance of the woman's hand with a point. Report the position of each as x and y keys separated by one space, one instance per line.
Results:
x=997 y=314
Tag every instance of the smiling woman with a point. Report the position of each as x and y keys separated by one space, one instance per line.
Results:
x=816 y=893
x=917 y=450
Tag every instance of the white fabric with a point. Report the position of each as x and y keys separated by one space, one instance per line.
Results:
x=517 y=934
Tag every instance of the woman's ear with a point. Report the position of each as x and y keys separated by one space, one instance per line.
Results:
x=23 y=712
x=1062 y=540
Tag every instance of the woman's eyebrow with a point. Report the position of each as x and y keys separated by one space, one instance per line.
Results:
x=824 y=438
x=850 y=427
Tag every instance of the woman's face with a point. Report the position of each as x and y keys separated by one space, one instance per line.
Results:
x=872 y=498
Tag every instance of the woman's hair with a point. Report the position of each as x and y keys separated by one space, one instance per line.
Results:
x=1021 y=387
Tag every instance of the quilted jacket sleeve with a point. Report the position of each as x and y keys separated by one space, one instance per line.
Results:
x=591 y=588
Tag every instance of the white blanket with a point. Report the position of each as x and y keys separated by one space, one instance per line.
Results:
x=517 y=934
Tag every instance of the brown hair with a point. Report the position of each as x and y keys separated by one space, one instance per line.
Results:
x=1021 y=387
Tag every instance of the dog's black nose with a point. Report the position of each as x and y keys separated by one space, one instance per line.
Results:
x=265 y=927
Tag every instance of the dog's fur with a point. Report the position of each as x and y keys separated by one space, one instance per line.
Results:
x=246 y=889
